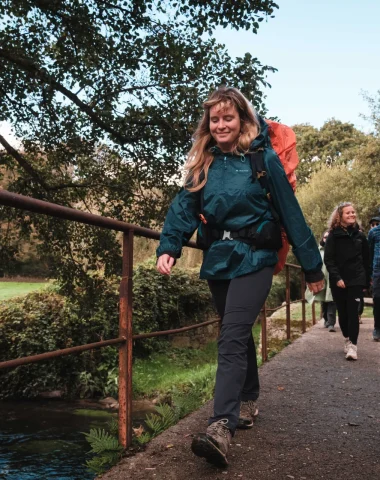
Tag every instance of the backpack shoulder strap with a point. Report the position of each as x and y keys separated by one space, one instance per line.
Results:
x=259 y=173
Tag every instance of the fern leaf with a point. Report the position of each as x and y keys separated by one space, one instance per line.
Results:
x=113 y=427
x=101 y=441
x=167 y=416
x=143 y=438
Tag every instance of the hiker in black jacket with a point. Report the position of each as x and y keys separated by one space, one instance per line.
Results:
x=347 y=261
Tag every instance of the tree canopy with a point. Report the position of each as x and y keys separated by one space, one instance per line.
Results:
x=357 y=183
x=324 y=146
x=105 y=95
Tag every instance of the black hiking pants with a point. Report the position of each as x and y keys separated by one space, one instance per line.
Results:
x=376 y=299
x=238 y=302
x=347 y=301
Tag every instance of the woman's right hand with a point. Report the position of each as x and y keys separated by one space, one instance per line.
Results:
x=341 y=284
x=165 y=263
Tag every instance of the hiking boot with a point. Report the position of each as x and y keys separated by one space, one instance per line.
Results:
x=325 y=324
x=352 y=352
x=376 y=335
x=248 y=414
x=331 y=328
x=347 y=343
x=213 y=445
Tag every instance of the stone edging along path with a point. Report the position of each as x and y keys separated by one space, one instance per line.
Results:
x=319 y=419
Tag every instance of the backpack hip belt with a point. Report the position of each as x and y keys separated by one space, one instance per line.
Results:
x=260 y=235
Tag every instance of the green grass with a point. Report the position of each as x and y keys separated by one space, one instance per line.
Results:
x=16 y=289
x=176 y=369
x=367 y=312
x=296 y=312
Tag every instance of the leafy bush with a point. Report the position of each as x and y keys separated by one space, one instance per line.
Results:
x=46 y=321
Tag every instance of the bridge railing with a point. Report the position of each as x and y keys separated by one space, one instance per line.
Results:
x=126 y=337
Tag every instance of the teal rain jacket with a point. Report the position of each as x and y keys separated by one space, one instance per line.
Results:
x=233 y=201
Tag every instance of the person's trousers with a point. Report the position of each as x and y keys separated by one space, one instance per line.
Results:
x=376 y=312
x=329 y=313
x=238 y=302
x=347 y=301
x=376 y=300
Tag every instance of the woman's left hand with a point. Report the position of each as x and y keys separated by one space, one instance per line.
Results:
x=316 y=286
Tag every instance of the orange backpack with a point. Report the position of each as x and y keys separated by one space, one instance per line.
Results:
x=283 y=141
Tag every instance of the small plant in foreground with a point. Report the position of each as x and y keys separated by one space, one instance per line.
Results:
x=105 y=447
x=165 y=417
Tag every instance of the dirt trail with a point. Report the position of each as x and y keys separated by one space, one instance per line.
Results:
x=319 y=419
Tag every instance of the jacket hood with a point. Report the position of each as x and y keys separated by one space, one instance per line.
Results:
x=262 y=140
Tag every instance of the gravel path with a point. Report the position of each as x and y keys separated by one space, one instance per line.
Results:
x=319 y=419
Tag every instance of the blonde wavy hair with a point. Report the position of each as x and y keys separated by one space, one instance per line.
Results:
x=200 y=157
x=335 y=219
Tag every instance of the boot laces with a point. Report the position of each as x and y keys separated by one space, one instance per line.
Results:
x=219 y=427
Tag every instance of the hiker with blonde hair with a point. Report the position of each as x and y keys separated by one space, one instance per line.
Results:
x=347 y=261
x=239 y=230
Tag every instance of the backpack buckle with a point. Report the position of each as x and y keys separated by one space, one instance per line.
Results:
x=226 y=235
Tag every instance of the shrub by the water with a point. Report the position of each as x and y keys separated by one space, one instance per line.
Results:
x=46 y=321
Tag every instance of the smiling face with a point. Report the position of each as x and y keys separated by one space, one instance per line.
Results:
x=348 y=216
x=224 y=125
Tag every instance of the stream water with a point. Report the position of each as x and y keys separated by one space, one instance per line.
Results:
x=42 y=439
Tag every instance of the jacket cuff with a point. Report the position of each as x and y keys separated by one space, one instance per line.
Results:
x=313 y=277
x=171 y=254
x=334 y=280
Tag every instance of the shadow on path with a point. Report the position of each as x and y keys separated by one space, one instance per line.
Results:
x=319 y=419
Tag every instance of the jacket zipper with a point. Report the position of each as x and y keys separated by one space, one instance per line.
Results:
x=224 y=173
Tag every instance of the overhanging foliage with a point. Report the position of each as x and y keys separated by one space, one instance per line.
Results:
x=105 y=96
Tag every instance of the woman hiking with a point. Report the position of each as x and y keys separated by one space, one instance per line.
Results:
x=328 y=305
x=347 y=261
x=240 y=238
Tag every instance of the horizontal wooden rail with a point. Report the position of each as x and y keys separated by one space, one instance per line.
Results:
x=53 y=210
x=59 y=353
x=175 y=331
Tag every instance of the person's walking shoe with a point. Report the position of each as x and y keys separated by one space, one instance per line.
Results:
x=248 y=414
x=347 y=343
x=376 y=335
x=325 y=324
x=352 y=353
x=331 y=328
x=213 y=445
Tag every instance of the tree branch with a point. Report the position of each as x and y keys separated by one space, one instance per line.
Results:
x=23 y=163
x=28 y=66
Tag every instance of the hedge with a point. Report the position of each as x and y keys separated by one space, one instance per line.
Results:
x=46 y=321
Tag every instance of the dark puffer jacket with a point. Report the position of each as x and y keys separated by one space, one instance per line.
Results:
x=347 y=257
